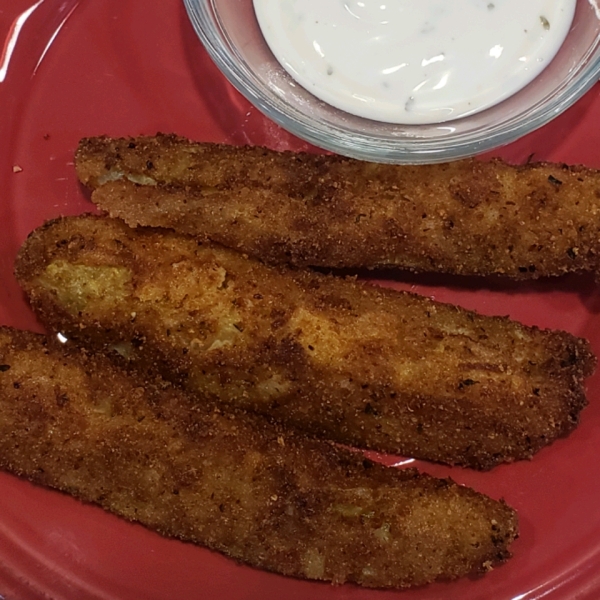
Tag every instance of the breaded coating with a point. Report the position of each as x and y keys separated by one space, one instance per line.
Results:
x=340 y=359
x=233 y=483
x=468 y=217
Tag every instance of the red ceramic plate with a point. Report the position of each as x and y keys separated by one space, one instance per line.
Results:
x=71 y=68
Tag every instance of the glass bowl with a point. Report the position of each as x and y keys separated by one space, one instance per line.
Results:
x=230 y=32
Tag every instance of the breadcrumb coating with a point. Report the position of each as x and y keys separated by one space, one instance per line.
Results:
x=467 y=217
x=233 y=483
x=336 y=358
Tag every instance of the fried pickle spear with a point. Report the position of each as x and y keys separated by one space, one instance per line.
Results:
x=340 y=359
x=468 y=217
x=233 y=483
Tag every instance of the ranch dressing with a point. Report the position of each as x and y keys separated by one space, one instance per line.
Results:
x=414 y=61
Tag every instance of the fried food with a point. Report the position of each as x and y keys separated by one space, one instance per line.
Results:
x=336 y=358
x=468 y=217
x=300 y=507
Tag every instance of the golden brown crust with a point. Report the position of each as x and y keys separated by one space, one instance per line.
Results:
x=468 y=217
x=268 y=498
x=361 y=365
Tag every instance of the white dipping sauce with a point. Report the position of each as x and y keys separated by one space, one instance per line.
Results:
x=414 y=61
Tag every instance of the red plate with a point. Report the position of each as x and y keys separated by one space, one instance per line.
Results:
x=124 y=67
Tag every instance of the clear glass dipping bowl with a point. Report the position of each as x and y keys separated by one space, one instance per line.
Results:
x=231 y=34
